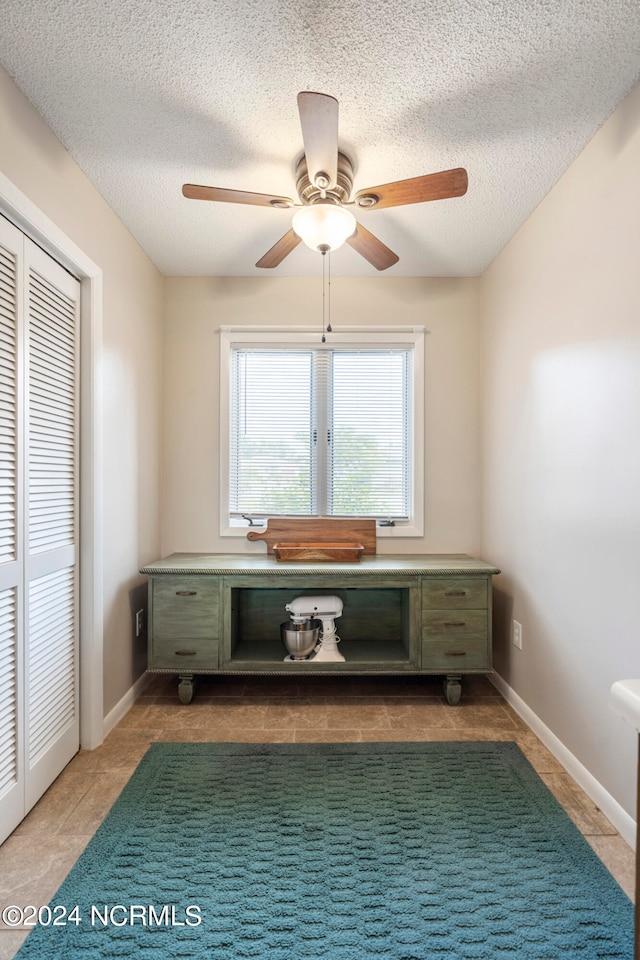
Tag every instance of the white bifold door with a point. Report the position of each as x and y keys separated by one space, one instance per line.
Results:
x=39 y=349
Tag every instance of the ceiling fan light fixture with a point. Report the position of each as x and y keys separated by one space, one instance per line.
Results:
x=324 y=183
x=324 y=225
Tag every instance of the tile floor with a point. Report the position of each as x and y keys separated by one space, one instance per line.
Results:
x=35 y=859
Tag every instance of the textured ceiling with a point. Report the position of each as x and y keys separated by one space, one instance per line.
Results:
x=149 y=94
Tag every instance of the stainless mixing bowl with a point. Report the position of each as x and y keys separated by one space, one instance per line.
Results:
x=300 y=638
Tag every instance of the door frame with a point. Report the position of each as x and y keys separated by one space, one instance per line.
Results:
x=18 y=208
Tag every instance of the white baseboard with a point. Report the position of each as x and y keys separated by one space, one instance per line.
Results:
x=124 y=705
x=624 y=824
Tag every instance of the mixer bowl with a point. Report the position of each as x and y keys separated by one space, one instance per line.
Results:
x=300 y=638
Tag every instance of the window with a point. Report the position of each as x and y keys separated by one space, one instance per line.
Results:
x=311 y=429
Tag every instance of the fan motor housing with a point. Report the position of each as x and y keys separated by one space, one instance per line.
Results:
x=308 y=192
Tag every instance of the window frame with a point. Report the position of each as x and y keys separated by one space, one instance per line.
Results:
x=305 y=337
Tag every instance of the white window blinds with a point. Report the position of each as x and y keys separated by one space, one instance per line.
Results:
x=271 y=456
x=370 y=435
x=320 y=432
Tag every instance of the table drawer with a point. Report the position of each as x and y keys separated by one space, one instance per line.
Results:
x=455 y=624
x=455 y=656
x=454 y=593
x=188 y=607
x=184 y=656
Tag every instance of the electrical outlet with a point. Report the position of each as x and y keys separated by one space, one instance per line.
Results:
x=517 y=634
x=139 y=622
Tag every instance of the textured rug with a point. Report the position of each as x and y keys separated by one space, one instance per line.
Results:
x=336 y=852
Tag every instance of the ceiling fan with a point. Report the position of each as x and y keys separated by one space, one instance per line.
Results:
x=324 y=182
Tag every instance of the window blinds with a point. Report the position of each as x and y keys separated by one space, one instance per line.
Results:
x=270 y=457
x=370 y=433
x=320 y=432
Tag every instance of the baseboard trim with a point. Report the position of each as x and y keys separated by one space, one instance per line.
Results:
x=624 y=824
x=123 y=706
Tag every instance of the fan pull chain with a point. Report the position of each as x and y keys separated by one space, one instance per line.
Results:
x=329 y=295
x=326 y=292
x=323 y=251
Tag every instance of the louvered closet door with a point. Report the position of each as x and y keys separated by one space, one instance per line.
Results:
x=11 y=573
x=51 y=520
x=39 y=714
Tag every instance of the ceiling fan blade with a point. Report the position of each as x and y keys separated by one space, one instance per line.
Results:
x=319 y=122
x=281 y=249
x=195 y=192
x=433 y=186
x=372 y=249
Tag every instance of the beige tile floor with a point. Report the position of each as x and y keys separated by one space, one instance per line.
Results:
x=35 y=859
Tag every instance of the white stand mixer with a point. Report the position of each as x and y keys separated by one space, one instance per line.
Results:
x=326 y=609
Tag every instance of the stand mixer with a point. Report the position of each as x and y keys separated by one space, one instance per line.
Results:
x=326 y=610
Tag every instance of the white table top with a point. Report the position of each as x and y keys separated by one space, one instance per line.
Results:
x=624 y=699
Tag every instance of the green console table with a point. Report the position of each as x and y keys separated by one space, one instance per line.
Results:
x=221 y=614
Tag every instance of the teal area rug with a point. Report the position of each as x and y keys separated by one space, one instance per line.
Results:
x=337 y=852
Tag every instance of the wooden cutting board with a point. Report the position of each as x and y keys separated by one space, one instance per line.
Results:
x=340 y=551
x=317 y=530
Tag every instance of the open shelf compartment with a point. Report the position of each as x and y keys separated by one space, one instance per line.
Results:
x=374 y=627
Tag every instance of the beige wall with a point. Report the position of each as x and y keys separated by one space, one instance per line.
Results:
x=561 y=319
x=38 y=165
x=195 y=308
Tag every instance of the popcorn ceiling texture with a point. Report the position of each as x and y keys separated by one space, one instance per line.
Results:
x=147 y=95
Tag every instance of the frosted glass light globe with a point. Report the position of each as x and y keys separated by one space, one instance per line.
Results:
x=324 y=225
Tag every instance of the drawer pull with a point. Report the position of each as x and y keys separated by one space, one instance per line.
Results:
x=185 y=653
x=455 y=653
x=455 y=593
x=455 y=623
x=186 y=593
